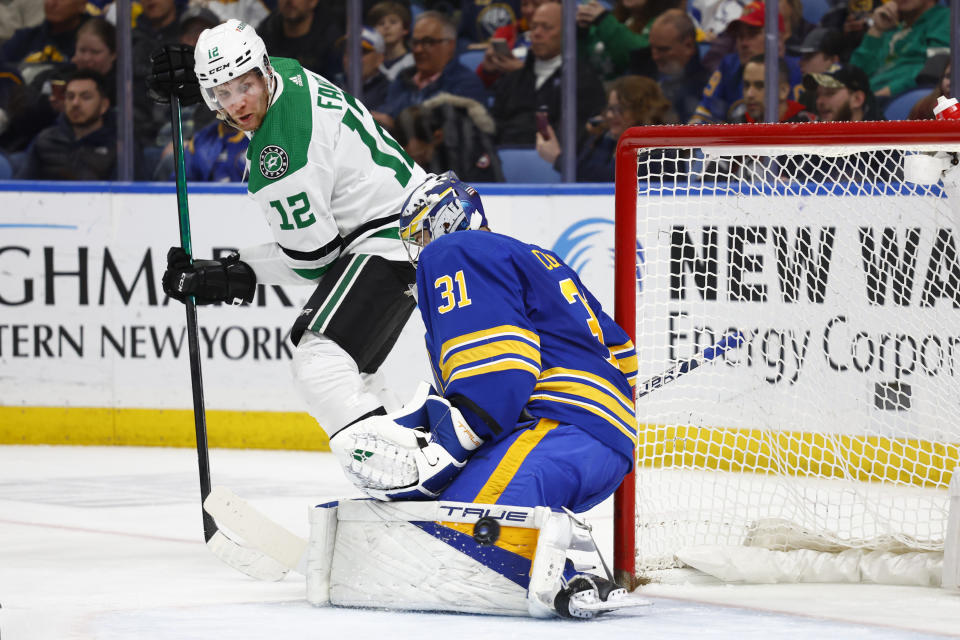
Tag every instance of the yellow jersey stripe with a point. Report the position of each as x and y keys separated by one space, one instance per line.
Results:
x=503 y=364
x=493 y=488
x=487 y=351
x=502 y=331
x=621 y=348
x=627 y=365
x=597 y=380
x=592 y=408
x=588 y=392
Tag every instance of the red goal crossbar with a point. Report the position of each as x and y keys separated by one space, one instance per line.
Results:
x=771 y=136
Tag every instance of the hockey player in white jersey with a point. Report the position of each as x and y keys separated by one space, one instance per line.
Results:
x=330 y=182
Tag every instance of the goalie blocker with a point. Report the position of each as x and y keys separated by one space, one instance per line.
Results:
x=454 y=556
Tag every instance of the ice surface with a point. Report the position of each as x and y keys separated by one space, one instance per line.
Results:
x=106 y=543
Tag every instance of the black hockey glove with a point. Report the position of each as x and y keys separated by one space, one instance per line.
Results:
x=171 y=73
x=226 y=280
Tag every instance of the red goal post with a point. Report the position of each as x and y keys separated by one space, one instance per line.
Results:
x=777 y=138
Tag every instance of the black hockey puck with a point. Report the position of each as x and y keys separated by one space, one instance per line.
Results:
x=486 y=531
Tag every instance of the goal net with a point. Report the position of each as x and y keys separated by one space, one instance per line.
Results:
x=825 y=442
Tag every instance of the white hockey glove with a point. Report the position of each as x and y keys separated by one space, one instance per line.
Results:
x=412 y=454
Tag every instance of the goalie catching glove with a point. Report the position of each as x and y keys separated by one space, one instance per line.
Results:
x=411 y=454
x=225 y=280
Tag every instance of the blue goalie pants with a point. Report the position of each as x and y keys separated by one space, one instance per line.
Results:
x=548 y=464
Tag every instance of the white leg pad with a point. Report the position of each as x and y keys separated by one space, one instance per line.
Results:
x=323 y=533
x=380 y=558
x=556 y=535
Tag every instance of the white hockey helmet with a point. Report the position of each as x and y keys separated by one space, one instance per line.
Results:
x=225 y=52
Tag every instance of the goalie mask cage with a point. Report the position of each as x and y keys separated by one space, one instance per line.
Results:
x=834 y=426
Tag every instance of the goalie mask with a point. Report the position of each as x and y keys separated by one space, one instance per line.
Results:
x=442 y=204
x=226 y=52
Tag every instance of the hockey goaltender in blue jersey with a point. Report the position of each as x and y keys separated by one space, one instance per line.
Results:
x=538 y=370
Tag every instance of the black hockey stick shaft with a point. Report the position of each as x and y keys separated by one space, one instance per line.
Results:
x=193 y=339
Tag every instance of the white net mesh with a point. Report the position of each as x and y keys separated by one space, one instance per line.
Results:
x=835 y=423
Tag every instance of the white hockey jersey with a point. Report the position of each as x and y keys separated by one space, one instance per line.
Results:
x=327 y=177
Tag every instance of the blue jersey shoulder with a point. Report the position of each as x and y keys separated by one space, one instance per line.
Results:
x=470 y=245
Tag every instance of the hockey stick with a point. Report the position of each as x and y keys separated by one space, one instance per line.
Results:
x=730 y=341
x=251 y=562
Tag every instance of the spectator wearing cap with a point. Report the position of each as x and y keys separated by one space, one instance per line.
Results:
x=752 y=107
x=299 y=29
x=375 y=82
x=820 y=50
x=675 y=60
x=896 y=46
x=725 y=86
x=842 y=94
x=392 y=21
x=436 y=69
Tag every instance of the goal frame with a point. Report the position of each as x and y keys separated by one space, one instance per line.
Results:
x=781 y=135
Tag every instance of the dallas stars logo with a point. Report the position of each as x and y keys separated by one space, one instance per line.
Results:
x=273 y=161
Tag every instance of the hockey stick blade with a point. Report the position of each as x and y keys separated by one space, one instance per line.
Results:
x=730 y=341
x=249 y=561
x=257 y=530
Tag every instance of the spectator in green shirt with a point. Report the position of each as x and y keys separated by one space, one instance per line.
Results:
x=606 y=38
x=895 y=48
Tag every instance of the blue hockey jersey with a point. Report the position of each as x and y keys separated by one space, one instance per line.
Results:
x=513 y=336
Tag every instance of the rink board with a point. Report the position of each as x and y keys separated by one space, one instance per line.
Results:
x=92 y=352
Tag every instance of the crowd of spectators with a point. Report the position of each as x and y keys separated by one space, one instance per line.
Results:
x=454 y=81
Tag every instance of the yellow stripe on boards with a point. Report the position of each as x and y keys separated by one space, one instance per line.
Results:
x=919 y=463
x=159 y=428
x=512 y=459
